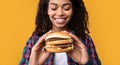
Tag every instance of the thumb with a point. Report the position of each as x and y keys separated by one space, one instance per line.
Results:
x=40 y=42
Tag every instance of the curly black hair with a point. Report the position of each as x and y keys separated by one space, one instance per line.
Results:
x=78 y=22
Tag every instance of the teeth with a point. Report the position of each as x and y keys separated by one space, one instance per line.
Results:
x=60 y=20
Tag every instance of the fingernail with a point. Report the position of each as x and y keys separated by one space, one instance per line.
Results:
x=43 y=48
x=50 y=30
x=45 y=34
x=64 y=31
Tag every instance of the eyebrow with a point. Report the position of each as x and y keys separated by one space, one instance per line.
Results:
x=53 y=4
x=67 y=4
x=63 y=4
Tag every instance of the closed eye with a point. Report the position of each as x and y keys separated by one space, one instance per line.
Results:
x=53 y=6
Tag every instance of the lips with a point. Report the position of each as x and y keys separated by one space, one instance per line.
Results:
x=60 y=20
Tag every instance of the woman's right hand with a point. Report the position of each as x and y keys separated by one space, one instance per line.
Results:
x=38 y=54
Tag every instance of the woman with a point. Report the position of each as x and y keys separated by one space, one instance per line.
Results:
x=68 y=16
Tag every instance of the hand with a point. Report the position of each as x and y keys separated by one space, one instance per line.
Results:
x=38 y=54
x=79 y=53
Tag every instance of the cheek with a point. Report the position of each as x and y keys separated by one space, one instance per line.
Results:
x=50 y=13
x=69 y=14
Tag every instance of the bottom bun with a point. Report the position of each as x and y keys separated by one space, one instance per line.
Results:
x=58 y=50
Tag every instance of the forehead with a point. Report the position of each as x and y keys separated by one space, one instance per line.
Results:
x=59 y=1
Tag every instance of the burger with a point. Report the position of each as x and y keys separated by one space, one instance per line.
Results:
x=57 y=42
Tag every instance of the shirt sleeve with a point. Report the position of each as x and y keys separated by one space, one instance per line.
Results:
x=27 y=50
x=93 y=57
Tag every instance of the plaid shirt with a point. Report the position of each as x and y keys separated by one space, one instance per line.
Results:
x=93 y=57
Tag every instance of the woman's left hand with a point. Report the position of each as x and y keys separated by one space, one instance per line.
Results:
x=79 y=53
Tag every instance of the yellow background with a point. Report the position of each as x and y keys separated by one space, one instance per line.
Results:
x=17 y=24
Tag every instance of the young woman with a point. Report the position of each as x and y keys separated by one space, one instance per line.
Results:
x=68 y=16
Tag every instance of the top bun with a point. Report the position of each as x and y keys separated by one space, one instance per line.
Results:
x=57 y=35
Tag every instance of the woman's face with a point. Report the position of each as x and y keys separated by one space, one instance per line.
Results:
x=60 y=12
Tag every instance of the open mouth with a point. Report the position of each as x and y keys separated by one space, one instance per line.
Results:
x=60 y=20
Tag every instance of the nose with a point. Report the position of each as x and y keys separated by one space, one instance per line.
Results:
x=60 y=12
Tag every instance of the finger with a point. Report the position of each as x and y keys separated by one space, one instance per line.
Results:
x=76 y=39
x=73 y=36
x=42 y=38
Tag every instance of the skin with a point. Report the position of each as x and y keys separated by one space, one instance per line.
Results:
x=60 y=13
x=38 y=55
